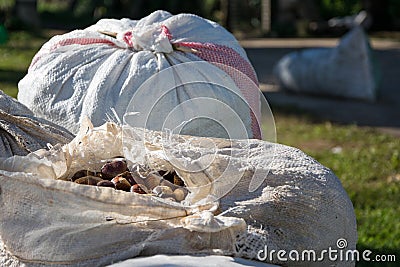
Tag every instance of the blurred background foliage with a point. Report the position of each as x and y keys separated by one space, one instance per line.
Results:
x=367 y=161
x=246 y=18
x=329 y=8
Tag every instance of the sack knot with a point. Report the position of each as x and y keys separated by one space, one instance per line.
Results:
x=149 y=38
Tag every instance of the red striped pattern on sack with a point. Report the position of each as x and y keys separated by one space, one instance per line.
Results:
x=166 y=32
x=240 y=71
x=81 y=41
x=70 y=41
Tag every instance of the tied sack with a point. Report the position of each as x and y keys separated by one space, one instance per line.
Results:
x=300 y=205
x=349 y=70
x=97 y=71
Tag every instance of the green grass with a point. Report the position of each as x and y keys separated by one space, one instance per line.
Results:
x=368 y=165
x=366 y=161
x=15 y=57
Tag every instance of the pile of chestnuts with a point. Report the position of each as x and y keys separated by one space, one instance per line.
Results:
x=115 y=173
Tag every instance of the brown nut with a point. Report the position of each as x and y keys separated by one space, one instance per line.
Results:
x=106 y=183
x=152 y=180
x=128 y=176
x=178 y=181
x=80 y=174
x=163 y=191
x=113 y=168
x=88 y=180
x=169 y=184
x=138 y=188
x=121 y=183
x=180 y=194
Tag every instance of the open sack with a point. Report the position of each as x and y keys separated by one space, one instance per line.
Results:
x=48 y=220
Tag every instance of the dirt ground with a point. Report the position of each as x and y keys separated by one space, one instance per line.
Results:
x=383 y=114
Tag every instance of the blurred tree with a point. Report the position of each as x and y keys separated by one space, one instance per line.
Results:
x=72 y=5
x=265 y=16
x=3 y=30
x=233 y=15
x=338 y=8
x=26 y=11
x=224 y=13
x=293 y=16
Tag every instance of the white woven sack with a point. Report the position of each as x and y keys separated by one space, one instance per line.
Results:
x=44 y=221
x=88 y=72
x=348 y=70
x=22 y=133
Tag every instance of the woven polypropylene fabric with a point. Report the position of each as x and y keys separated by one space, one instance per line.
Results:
x=349 y=70
x=300 y=204
x=241 y=72
x=88 y=73
x=21 y=133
